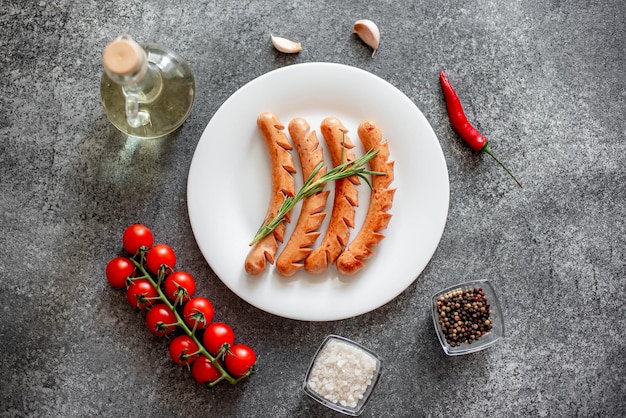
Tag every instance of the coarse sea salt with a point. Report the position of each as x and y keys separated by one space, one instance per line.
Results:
x=342 y=373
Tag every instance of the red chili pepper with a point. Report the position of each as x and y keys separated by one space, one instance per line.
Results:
x=463 y=127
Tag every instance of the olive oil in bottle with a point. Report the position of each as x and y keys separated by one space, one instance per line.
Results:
x=147 y=90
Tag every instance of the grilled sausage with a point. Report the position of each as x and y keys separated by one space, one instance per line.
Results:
x=283 y=184
x=377 y=218
x=345 y=199
x=312 y=214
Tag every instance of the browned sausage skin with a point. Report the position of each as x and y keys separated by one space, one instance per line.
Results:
x=312 y=214
x=381 y=199
x=346 y=198
x=283 y=184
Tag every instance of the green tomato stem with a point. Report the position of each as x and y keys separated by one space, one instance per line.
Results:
x=180 y=323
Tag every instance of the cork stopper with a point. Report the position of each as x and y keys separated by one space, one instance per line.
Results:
x=123 y=57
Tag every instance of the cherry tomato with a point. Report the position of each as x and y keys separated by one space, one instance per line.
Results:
x=159 y=255
x=140 y=293
x=204 y=371
x=161 y=320
x=135 y=237
x=118 y=270
x=179 y=286
x=216 y=335
x=239 y=359
x=183 y=350
x=198 y=313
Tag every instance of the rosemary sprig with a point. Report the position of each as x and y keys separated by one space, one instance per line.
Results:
x=311 y=187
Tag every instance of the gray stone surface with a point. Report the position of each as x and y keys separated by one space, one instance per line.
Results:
x=544 y=80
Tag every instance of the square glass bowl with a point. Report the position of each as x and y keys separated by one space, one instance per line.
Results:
x=483 y=336
x=342 y=375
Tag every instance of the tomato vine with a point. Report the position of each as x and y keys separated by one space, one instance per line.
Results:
x=156 y=296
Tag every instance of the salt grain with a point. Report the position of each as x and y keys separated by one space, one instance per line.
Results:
x=342 y=373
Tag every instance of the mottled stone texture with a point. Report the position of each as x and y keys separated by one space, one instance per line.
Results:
x=544 y=80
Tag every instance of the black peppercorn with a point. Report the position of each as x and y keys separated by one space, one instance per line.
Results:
x=469 y=309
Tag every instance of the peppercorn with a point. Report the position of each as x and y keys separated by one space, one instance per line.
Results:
x=469 y=309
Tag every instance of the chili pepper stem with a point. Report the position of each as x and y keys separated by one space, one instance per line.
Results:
x=487 y=150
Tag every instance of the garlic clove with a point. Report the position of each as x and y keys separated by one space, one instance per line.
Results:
x=368 y=32
x=286 y=45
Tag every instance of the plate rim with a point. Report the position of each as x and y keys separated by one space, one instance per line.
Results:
x=330 y=67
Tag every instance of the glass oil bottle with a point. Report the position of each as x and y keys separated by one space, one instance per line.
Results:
x=147 y=90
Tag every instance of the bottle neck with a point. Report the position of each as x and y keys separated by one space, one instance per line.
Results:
x=147 y=86
x=128 y=79
x=126 y=63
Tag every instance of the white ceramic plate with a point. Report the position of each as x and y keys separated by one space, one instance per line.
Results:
x=229 y=187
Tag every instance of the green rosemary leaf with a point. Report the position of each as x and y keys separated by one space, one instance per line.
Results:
x=311 y=187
